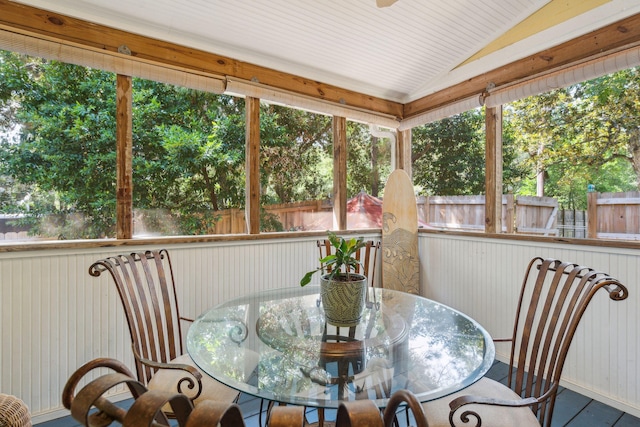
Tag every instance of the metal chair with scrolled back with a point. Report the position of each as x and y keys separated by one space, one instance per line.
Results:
x=146 y=287
x=553 y=298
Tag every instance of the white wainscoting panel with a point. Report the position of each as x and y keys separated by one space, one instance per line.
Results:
x=54 y=316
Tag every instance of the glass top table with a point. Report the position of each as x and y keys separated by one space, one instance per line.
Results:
x=276 y=345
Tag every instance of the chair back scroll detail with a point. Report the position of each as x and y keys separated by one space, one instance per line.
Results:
x=553 y=299
x=90 y=407
x=146 y=287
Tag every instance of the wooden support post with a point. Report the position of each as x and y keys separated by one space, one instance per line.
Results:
x=592 y=215
x=403 y=152
x=510 y=218
x=493 y=169
x=252 y=184
x=124 y=157
x=427 y=209
x=339 y=173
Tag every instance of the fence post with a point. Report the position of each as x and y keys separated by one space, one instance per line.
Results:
x=426 y=208
x=511 y=213
x=592 y=215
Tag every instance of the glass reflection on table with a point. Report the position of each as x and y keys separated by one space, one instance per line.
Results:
x=276 y=345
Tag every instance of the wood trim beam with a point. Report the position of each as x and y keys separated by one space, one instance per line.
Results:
x=592 y=215
x=30 y=20
x=339 y=173
x=403 y=151
x=493 y=170
x=124 y=157
x=287 y=236
x=615 y=36
x=33 y=21
x=252 y=168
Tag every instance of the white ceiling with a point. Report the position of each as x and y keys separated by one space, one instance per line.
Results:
x=400 y=53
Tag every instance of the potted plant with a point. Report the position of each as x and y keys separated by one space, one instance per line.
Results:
x=342 y=290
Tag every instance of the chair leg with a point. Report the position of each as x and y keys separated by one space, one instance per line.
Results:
x=268 y=411
x=260 y=412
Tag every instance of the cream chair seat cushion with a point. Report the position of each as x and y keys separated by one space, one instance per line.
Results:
x=437 y=411
x=167 y=380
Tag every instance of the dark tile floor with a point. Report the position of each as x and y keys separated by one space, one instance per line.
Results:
x=572 y=410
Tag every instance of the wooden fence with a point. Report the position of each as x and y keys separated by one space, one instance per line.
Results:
x=292 y=216
x=613 y=215
x=572 y=223
x=521 y=214
x=608 y=216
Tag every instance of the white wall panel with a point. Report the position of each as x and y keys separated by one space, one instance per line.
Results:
x=55 y=317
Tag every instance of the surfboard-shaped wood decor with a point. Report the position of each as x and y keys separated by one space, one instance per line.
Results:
x=400 y=263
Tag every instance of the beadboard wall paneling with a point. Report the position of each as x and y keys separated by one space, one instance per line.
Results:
x=55 y=316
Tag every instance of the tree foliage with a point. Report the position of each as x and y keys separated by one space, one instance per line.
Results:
x=58 y=150
x=584 y=134
x=448 y=155
x=65 y=144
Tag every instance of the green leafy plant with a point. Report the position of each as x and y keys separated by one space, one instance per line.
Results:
x=342 y=261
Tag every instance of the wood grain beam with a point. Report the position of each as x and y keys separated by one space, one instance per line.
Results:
x=30 y=20
x=33 y=21
x=493 y=170
x=124 y=157
x=615 y=36
x=252 y=168
x=403 y=151
x=339 y=173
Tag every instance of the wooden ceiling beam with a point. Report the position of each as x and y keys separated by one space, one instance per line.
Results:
x=614 y=36
x=29 y=20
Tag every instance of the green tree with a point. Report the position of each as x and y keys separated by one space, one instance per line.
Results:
x=189 y=152
x=294 y=148
x=188 y=148
x=448 y=155
x=62 y=154
x=584 y=134
x=188 y=156
x=368 y=160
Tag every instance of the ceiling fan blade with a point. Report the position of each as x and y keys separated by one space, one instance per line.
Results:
x=385 y=3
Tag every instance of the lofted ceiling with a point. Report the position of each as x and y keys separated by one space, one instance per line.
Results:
x=400 y=52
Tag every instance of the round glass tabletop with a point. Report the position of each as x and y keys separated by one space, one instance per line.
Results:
x=276 y=345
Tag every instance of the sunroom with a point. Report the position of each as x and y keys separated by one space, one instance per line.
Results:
x=391 y=69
